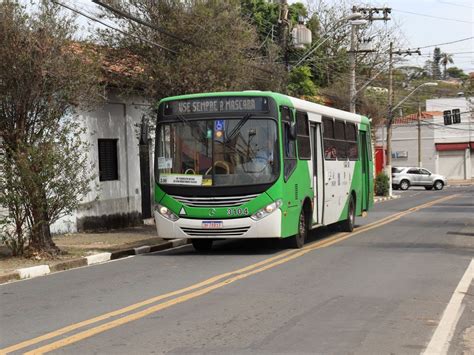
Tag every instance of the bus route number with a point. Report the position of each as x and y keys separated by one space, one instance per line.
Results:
x=237 y=211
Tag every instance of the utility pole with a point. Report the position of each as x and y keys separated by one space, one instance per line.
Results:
x=388 y=167
x=419 y=134
x=352 y=65
x=368 y=15
x=284 y=31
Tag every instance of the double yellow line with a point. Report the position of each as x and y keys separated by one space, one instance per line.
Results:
x=192 y=291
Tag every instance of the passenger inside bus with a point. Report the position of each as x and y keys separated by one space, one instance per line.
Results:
x=330 y=153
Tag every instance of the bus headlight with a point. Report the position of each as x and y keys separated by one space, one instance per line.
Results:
x=265 y=211
x=165 y=212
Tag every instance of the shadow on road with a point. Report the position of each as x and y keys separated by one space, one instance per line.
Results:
x=262 y=246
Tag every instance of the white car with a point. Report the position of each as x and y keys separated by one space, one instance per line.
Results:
x=404 y=177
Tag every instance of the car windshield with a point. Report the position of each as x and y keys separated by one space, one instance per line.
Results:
x=397 y=170
x=217 y=152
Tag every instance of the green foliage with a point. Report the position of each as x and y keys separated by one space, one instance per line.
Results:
x=295 y=10
x=263 y=14
x=446 y=59
x=435 y=71
x=44 y=76
x=382 y=182
x=219 y=50
x=300 y=83
x=457 y=73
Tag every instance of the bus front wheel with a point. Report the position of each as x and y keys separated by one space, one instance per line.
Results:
x=297 y=241
x=202 y=244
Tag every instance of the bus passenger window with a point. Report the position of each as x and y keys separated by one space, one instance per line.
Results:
x=304 y=145
x=330 y=151
x=351 y=138
x=340 y=140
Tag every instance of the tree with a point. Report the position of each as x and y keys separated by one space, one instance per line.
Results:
x=300 y=83
x=457 y=73
x=446 y=59
x=44 y=77
x=428 y=68
x=215 y=49
x=435 y=71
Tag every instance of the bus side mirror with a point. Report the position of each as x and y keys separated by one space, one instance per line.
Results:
x=293 y=130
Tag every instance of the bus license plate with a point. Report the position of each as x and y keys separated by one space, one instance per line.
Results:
x=212 y=224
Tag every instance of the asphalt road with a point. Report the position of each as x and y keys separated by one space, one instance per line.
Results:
x=390 y=287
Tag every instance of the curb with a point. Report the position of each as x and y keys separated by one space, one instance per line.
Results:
x=378 y=199
x=9 y=277
x=41 y=270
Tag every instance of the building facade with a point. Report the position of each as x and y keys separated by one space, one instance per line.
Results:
x=445 y=149
x=122 y=162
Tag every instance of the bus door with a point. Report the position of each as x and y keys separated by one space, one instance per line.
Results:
x=365 y=170
x=318 y=173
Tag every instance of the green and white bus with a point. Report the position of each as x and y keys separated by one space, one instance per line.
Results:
x=257 y=164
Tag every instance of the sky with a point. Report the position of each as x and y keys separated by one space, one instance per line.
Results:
x=423 y=24
x=426 y=23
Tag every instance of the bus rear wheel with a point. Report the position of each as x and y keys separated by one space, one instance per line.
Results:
x=348 y=224
x=297 y=241
x=202 y=244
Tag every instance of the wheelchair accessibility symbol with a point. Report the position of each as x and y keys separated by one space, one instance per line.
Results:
x=219 y=125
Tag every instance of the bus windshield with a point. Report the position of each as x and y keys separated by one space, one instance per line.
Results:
x=217 y=152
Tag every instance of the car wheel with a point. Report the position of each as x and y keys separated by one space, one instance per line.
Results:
x=297 y=241
x=348 y=224
x=202 y=244
x=429 y=187
x=438 y=185
x=404 y=184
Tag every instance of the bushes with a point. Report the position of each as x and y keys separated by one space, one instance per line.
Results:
x=382 y=184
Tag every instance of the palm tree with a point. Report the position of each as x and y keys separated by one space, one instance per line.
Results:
x=446 y=59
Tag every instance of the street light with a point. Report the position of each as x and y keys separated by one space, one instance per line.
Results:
x=408 y=96
x=388 y=166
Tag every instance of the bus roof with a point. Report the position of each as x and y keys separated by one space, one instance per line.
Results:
x=296 y=103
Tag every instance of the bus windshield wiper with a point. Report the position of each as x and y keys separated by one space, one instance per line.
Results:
x=194 y=128
x=182 y=119
x=237 y=128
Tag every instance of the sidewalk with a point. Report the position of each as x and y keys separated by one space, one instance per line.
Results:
x=466 y=182
x=78 y=247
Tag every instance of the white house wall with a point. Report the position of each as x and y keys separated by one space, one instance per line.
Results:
x=452 y=164
x=117 y=203
x=455 y=133
x=405 y=139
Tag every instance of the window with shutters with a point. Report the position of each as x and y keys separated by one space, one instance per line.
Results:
x=108 y=159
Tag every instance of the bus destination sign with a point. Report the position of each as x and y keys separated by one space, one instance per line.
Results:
x=216 y=105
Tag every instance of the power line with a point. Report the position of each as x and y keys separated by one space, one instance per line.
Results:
x=436 y=17
x=140 y=21
x=454 y=4
x=114 y=28
x=442 y=44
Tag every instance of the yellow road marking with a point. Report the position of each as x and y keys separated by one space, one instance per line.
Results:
x=132 y=307
x=242 y=273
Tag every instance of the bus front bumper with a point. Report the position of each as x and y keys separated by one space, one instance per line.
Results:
x=267 y=227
